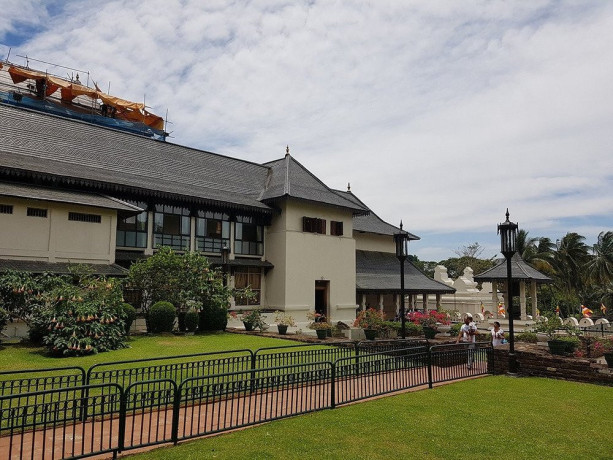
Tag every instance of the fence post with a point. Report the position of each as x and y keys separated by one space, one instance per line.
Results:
x=174 y=435
x=333 y=385
x=429 y=358
x=123 y=405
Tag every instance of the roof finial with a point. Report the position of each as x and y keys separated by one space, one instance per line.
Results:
x=286 y=150
x=349 y=186
x=507 y=214
x=400 y=224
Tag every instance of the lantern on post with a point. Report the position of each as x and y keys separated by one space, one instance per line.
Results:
x=402 y=241
x=508 y=247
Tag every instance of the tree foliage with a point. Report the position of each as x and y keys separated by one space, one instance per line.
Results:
x=185 y=280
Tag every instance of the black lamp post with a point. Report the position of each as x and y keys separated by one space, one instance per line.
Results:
x=225 y=260
x=402 y=239
x=508 y=247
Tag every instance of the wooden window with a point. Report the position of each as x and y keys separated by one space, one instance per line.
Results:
x=81 y=217
x=212 y=231
x=132 y=230
x=171 y=227
x=248 y=236
x=313 y=225
x=336 y=228
x=6 y=209
x=37 y=212
x=248 y=277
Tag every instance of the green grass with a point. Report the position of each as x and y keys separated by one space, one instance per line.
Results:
x=19 y=356
x=493 y=417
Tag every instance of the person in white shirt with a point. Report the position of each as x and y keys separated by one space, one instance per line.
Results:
x=468 y=333
x=497 y=334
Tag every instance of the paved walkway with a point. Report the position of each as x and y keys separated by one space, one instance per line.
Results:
x=149 y=425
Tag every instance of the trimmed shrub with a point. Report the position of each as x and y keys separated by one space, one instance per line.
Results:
x=213 y=317
x=162 y=317
x=526 y=336
x=191 y=320
x=128 y=313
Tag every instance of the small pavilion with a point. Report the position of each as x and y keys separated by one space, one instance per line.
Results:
x=521 y=274
x=378 y=284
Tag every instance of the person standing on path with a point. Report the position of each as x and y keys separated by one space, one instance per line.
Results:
x=468 y=331
x=497 y=334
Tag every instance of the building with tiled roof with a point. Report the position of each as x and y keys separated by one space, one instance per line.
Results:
x=73 y=191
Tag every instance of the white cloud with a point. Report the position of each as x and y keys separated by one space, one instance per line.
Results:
x=441 y=113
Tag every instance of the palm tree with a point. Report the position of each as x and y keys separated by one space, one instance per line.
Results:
x=537 y=252
x=524 y=244
x=600 y=266
x=569 y=262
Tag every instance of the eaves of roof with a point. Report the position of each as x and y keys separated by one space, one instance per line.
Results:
x=19 y=190
x=67 y=151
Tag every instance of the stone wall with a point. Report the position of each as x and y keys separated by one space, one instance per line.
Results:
x=536 y=361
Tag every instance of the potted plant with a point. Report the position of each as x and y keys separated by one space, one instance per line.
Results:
x=283 y=321
x=550 y=328
x=371 y=320
x=429 y=321
x=319 y=324
x=251 y=319
x=604 y=346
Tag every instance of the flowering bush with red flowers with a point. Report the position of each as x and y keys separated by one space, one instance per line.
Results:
x=430 y=318
x=369 y=319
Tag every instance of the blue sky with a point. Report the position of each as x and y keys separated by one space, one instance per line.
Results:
x=439 y=113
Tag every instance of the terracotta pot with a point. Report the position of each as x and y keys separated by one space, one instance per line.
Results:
x=371 y=334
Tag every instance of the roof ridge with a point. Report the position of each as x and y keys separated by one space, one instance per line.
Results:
x=322 y=183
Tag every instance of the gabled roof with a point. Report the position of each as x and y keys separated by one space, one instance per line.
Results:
x=520 y=270
x=73 y=152
x=288 y=178
x=64 y=196
x=380 y=272
x=371 y=223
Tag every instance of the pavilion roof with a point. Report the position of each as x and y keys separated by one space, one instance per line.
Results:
x=520 y=271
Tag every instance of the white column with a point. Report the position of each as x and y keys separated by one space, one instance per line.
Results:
x=495 y=294
x=363 y=305
x=380 y=297
x=149 y=248
x=534 y=300
x=192 y=234
x=522 y=299
x=397 y=301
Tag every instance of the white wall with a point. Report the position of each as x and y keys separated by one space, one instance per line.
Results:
x=55 y=238
x=302 y=258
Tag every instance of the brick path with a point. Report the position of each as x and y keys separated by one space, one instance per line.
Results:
x=155 y=425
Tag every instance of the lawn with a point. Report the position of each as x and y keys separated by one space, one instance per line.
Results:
x=492 y=417
x=18 y=356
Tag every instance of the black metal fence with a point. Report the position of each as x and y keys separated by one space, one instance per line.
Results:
x=196 y=395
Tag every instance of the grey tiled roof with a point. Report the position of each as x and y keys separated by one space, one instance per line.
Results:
x=520 y=270
x=64 y=196
x=34 y=266
x=371 y=223
x=81 y=152
x=288 y=178
x=380 y=272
